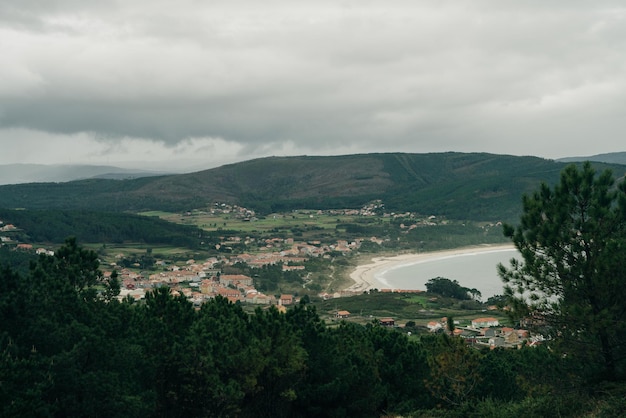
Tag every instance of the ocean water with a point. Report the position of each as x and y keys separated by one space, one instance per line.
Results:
x=472 y=270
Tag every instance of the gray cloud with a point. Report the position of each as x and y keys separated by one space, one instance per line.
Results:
x=541 y=78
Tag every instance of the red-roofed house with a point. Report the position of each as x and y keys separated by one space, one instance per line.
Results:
x=228 y=293
x=387 y=322
x=234 y=279
x=286 y=300
x=434 y=326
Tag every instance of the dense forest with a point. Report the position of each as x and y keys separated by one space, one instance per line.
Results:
x=69 y=348
x=53 y=226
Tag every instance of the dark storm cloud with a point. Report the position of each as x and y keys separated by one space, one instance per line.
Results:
x=370 y=76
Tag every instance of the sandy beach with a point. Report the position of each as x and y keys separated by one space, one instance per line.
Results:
x=364 y=276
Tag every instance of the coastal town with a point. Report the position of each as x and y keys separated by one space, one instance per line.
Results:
x=202 y=280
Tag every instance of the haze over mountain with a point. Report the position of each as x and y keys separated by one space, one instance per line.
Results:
x=611 y=158
x=36 y=173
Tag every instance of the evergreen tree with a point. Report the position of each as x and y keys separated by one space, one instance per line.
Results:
x=572 y=278
x=454 y=369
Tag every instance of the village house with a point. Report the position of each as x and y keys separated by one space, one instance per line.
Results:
x=208 y=286
x=489 y=332
x=44 y=251
x=342 y=314
x=259 y=299
x=230 y=294
x=496 y=342
x=292 y=268
x=175 y=276
x=235 y=279
x=387 y=322
x=511 y=338
x=434 y=326
x=485 y=322
x=286 y=300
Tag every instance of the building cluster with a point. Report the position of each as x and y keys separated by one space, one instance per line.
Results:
x=7 y=238
x=200 y=281
x=233 y=210
x=385 y=321
x=487 y=332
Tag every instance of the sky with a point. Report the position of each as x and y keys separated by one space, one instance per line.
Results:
x=195 y=84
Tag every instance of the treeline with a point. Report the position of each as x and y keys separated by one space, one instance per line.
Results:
x=68 y=348
x=54 y=226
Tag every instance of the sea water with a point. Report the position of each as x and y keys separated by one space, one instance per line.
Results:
x=472 y=270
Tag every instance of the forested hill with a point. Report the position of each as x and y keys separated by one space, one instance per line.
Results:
x=473 y=186
x=54 y=226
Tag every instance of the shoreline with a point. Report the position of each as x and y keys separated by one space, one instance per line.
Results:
x=364 y=275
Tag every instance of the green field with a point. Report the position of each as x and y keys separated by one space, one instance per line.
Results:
x=305 y=219
x=301 y=225
x=402 y=307
x=108 y=253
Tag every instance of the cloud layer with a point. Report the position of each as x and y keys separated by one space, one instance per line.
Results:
x=223 y=81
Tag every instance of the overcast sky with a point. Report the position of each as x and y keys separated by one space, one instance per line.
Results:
x=189 y=83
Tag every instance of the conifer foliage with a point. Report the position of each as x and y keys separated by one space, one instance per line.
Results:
x=572 y=281
x=69 y=348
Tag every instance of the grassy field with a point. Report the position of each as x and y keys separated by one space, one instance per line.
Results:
x=109 y=252
x=306 y=222
x=402 y=307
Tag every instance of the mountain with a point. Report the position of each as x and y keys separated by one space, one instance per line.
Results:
x=611 y=158
x=472 y=186
x=32 y=173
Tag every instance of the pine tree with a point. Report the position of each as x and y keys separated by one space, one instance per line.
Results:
x=571 y=279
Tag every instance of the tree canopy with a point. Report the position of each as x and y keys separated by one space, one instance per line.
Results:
x=571 y=280
x=451 y=289
x=69 y=348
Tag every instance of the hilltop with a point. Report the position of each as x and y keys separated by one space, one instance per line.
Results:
x=610 y=158
x=32 y=173
x=473 y=186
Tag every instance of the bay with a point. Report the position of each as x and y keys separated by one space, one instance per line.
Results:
x=476 y=270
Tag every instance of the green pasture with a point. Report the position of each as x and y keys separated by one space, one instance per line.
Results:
x=402 y=307
x=109 y=252
x=304 y=220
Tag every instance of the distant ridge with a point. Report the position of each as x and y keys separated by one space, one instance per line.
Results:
x=36 y=173
x=471 y=186
x=610 y=158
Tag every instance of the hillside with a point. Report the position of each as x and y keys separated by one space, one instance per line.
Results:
x=54 y=226
x=473 y=186
x=610 y=158
x=30 y=173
